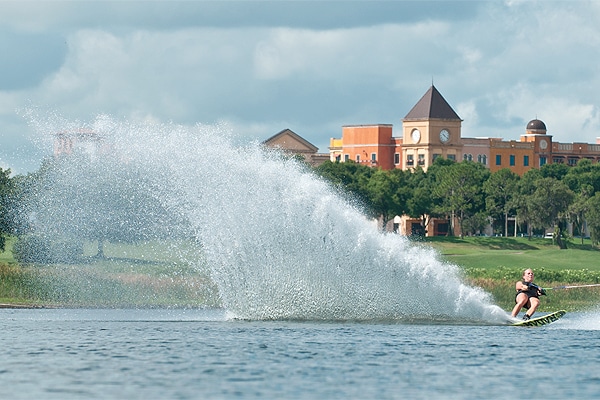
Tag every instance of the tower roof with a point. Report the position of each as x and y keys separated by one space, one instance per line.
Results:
x=432 y=105
x=536 y=126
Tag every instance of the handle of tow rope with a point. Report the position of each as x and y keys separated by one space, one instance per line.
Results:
x=572 y=286
x=541 y=289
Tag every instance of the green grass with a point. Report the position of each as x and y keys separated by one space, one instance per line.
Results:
x=164 y=274
x=496 y=263
x=153 y=274
x=490 y=253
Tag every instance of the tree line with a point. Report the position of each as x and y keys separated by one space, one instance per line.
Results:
x=53 y=210
x=68 y=201
x=469 y=194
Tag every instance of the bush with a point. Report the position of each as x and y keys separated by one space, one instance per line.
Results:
x=512 y=274
x=33 y=249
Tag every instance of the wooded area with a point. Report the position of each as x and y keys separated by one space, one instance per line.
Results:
x=122 y=206
x=549 y=197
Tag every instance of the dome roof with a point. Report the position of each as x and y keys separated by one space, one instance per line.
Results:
x=536 y=125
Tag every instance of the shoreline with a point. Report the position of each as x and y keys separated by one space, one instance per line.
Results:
x=8 y=305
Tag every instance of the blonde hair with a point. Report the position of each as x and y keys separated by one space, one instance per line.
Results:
x=525 y=271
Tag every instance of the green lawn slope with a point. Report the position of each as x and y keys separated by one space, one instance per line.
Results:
x=156 y=274
x=152 y=274
x=496 y=263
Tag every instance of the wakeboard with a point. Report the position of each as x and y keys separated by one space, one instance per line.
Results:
x=543 y=320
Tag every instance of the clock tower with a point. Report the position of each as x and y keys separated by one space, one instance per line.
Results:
x=431 y=129
x=542 y=142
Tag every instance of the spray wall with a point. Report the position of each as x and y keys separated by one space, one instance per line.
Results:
x=278 y=241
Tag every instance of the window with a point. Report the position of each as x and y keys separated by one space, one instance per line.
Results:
x=573 y=161
x=410 y=161
x=374 y=157
x=543 y=161
x=468 y=157
x=482 y=158
x=421 y=159
x=452 y=157
x=498 y=159
x=396 y=158
x=436 y=156
x=512 y=160
x=526 y=161
x=346 y=157
x=358 y=158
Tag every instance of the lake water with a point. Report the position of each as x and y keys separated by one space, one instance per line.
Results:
x=193 y=354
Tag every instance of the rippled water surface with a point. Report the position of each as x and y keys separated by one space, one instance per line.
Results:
x=181 y=354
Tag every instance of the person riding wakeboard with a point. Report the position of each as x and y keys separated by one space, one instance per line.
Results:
x=527 y=296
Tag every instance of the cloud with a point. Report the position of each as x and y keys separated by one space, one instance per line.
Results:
x=308 y=66
x=566 y=120
x=28 y=58
x=64 y=16
x=341 y=54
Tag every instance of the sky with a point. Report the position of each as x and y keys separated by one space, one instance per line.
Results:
x=259 y=67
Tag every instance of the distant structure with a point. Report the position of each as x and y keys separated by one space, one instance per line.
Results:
x=80 y=141
x=432 y=129
x=291 y=143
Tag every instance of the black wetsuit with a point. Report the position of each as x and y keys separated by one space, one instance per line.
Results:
x=532 y=291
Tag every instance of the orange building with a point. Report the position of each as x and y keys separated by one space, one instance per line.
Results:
x=532 y=151
x=477 y=149
x=372 y=145
x=432 y=129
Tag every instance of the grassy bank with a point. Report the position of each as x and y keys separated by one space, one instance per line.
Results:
x=495 y=264
x=147 y=275
x=158 y=274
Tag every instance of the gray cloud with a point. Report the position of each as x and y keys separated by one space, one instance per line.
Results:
x=174 y=14
x=263 y=66
x=27 y=58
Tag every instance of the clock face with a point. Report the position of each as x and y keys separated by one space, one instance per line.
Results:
x=415 y=135
x=444 y=135
x=543 y=144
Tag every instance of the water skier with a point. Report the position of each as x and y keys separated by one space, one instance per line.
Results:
x=528 y=294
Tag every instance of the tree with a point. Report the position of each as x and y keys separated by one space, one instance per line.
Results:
x=593 y=217
x=382 y=196
x=349 y=178
x=459 y=188
x=554 y=170
x=500 y=189
x=420 y=203
x=520 y=200
x=77 y=199
x=584 y=180
x=584 y=173
x=548 y=206
x=7 y=192
x=579 y=209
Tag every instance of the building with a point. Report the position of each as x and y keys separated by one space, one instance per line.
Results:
x=291 y=143
x=372 y=145
x=432 y=129
x=80 y=141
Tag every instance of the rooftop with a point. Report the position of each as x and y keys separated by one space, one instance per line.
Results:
x=432 y=105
